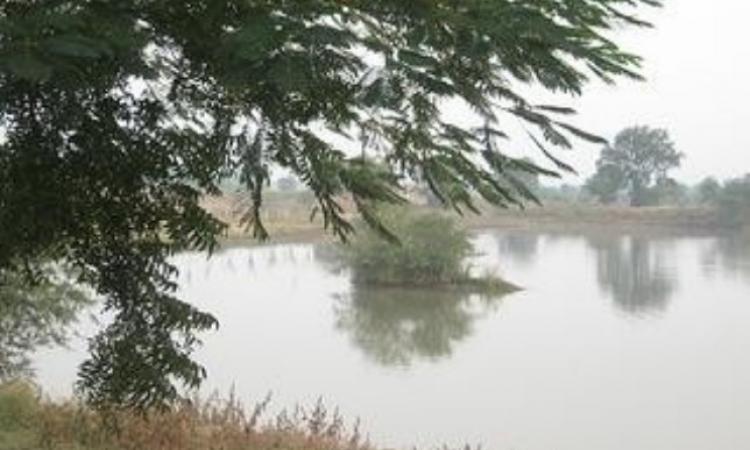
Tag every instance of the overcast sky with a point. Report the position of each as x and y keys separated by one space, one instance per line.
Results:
x=697 y=64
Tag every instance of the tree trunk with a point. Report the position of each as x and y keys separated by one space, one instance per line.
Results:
x=638 y=195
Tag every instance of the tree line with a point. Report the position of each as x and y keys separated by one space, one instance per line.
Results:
x=634 y=170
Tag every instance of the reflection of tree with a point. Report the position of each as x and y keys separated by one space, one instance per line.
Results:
x=522 y=247
x=632 y=274
x=396 y=326
x=33 y=316
x=330 y=257
x=731 y=254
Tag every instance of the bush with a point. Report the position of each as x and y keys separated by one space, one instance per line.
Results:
x=432 y=250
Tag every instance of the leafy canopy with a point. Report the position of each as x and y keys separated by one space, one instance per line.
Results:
x=117 y=117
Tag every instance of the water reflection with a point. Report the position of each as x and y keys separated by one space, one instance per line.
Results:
x=196 y=268
x=33 y=317
x=395 y=327
x=330 y=258
x=729 y=254
x=500 y=374
x=632 y=272
x=522 y=247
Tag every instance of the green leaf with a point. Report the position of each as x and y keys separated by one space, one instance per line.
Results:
x=583 y=134
x=28 y=66
x=76 y=47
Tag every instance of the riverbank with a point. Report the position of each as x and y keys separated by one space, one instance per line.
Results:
x=287 y=218
x=582 y=217
x=27 y=422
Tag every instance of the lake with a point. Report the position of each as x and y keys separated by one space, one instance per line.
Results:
x=617 y=342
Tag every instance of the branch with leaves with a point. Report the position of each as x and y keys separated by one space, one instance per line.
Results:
x=117 y=117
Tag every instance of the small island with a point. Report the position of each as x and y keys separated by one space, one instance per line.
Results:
x=431 y=251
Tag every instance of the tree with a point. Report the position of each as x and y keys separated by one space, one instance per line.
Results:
x=668 y=191
x=734 y=202
x=638 y=160
x=286 y=184
x=709 y=191
x=606 y=184
x=117 y=117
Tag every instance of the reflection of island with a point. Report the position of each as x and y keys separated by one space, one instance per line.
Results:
x=522 y=247
x=632 y=273
x=397 y=326
x=329 y=256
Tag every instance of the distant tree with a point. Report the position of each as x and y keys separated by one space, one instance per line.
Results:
x=668 y=191
x=709 y=191
x=286 y=184
x=569 y=191
x=606 y=184
x=564 y=193
x=734 y=202
x=639 y=159
x=118 y=116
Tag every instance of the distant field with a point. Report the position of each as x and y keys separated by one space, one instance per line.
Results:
x=287 y=217
x=572 y=216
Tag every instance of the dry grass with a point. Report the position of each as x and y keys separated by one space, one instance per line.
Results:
x=583 y=217
x=29 y=423
x=287 y=217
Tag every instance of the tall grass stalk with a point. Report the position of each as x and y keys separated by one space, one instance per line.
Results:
x=27 y=422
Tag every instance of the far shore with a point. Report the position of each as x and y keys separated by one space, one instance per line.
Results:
x=289 y=221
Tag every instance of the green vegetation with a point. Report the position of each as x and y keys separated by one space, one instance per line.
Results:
x=116 y=118
x=708 y=191
x=431 y=251
x=29 y=423
x=35 y=316
x=636 y=165
x=728 y=202
x=733 y=203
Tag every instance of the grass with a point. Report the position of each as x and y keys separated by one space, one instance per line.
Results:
x=585 y=217
x=18 y=410
x=27 y=422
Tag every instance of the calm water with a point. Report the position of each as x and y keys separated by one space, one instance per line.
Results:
x=617 y=343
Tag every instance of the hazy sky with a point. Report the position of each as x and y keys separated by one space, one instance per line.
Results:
x=697 y=64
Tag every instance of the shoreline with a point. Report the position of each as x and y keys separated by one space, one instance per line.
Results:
x=295 y=227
